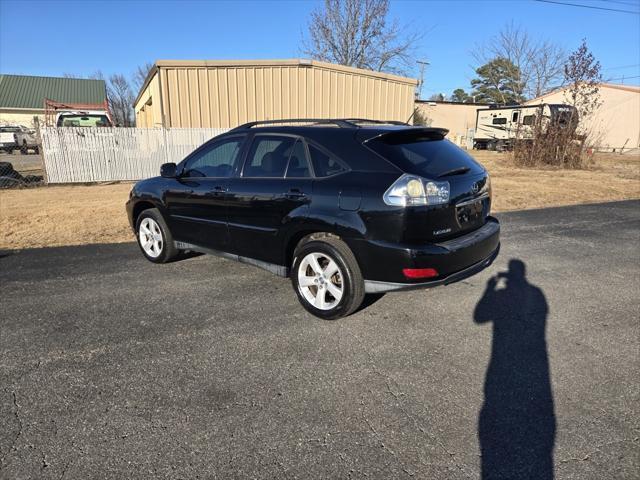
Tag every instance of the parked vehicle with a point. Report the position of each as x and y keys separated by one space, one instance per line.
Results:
x=498 y=127
x=342 y=207
x=7 y=141
x=26 y=140
x=90 y=118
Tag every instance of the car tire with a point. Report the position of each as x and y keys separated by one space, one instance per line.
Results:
x=24 y=149
x=154 y=237
x=332 y=286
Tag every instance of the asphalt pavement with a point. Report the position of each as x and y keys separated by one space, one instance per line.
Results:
x=113 y=367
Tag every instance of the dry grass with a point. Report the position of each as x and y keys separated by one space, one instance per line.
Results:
x=75 y=215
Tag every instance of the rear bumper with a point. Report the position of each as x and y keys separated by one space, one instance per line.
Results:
x=382 y=263
x=373 y=286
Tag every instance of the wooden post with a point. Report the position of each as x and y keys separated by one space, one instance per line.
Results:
x=36 y=122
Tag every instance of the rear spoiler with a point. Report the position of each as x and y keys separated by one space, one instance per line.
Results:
x=404 y=134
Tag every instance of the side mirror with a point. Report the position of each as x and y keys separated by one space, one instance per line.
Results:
x=168 y=170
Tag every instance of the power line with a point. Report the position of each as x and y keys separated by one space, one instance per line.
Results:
x=631 y=4
x=621 y=67
x=622 y=78
x=588 y=6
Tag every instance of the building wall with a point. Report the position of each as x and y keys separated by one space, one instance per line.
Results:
x=616 y=123
x=20 y=117
x=458 y=118
x=214 y=94
x=148 y=111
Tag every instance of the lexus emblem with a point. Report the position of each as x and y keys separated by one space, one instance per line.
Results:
x=475 y=188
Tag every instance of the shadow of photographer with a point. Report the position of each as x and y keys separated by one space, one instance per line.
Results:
x=517 y=424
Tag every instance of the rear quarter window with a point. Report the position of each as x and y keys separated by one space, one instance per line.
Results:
x=324 y=165
x=427 y=157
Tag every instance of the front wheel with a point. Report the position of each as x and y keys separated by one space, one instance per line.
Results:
x=154 y=237
x=327 y=278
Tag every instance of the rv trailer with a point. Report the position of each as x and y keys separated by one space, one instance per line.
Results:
x=497 y=127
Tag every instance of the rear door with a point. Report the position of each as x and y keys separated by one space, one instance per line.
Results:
x=197 y=201
x=272 y=190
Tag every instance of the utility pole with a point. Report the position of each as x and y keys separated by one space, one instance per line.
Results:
x=423 y=64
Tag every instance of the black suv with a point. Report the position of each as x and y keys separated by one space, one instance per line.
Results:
x=343 y=207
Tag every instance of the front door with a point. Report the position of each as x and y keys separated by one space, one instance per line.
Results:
x=273 y=189
x=197 y=204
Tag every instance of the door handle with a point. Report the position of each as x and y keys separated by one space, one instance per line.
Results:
x=218 y=190
x=295 y=193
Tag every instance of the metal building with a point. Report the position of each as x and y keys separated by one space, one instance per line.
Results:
x=22 y=97
x=226 y=93
x=615 y=124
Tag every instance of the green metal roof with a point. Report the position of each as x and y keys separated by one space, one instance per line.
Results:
x=22 y=91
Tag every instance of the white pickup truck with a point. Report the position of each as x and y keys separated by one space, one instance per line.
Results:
x=7 y=140
x=26 y=140
x=13 y=137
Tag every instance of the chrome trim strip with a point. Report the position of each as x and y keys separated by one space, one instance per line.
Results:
x=473 y=200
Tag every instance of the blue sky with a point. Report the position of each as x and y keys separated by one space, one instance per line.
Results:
x=36 y=36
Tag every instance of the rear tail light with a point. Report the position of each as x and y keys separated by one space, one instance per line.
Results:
x=411 y=190
x=420 y=272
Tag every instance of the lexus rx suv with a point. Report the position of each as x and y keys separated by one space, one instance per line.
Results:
x=342 y=207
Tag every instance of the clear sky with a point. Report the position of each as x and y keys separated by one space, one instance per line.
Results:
x=39 y=37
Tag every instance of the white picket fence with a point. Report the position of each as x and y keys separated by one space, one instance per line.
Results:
x=73 y=155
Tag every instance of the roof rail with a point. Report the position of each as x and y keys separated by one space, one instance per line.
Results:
x=377 y=122
x=340 y=122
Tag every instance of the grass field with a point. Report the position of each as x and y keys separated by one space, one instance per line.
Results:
x=76 y=215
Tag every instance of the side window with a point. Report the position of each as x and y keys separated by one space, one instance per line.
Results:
x=298 y=162
x=215 y=161
x=323 y=164
x=514 y=117
x=528 y=119
x=268 y=157
x=499 y=121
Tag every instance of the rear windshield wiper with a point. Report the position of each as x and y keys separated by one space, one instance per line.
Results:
x=454 y=171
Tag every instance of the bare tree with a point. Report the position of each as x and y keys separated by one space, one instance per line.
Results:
x=540 y=62
x=121 y=100
x=358 y=33
x=140 y=75
x=560 y=139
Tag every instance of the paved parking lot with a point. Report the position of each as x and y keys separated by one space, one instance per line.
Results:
x=30 y=164
x=112 y=367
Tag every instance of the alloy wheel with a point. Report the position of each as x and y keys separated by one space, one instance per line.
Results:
x=150 y=237
x=320 y=281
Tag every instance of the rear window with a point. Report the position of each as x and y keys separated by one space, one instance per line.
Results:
x=83 y=121
x=425 y=156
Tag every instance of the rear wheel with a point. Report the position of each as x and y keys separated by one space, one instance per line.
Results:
x=327 y=278
x=154 y=237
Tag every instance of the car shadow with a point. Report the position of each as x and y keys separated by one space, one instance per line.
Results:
x=516 y=425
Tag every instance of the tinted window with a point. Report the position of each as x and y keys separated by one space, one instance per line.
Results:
x=514 y=117
x=424 y=156
x=215 y=161
x=528 y=119
x=298 y=162
x=323 y=164
x=83 y=121
x=269 y=156
x=499 y=121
